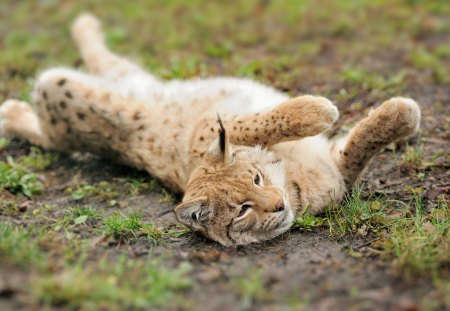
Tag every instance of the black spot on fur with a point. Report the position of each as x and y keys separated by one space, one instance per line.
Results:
x=81 y=115
x=44 y=94
x=61 y=82
x=53 y=120
x=141 y=127
x=68 y=94
x=62 y=104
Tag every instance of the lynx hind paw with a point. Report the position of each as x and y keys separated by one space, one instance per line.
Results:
x=407 y=111
x=410 y=112
x=10 y=110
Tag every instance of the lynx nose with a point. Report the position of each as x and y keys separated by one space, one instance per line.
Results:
x=280 y=206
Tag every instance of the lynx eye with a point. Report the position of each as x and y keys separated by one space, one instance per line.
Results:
x=257 y=180
x=194 y=217
x=244 y=207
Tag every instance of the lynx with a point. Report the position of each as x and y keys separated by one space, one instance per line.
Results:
x=246 y=157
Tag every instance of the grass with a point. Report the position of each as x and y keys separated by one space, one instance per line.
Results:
x=79 y=211
x=358 y=77
x=82 y=214
x=307 y=222
x=123 y=227
x=251 y=288
x=413 y=157
x=422 y=59
x=9 y=207
x=111 y=192
x=3 y=143
x=356 y=215
x=418 y=240
x=135 y=185
x=18 y=247
x=18 y=175
x=101 y=189
x=104 y=284
x=122 y=285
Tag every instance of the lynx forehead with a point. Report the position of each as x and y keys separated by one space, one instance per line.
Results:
x=244 y=176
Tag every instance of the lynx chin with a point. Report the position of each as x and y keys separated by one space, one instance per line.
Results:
x=244 y=175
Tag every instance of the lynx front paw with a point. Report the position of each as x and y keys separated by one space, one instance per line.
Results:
x=316 y=114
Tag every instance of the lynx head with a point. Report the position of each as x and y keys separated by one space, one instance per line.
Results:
x=237 y=195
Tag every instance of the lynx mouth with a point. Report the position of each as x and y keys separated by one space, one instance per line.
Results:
x=284 y=224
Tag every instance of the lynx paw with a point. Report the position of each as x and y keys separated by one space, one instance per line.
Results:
x=86 y=24
x=318 y=113
x=10 y=113
x=86 y=21
x=407 y=112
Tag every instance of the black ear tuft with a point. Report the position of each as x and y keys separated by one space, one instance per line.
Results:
x=222 y=135
x=220 y=150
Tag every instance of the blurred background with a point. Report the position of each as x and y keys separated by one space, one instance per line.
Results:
x=349 y=50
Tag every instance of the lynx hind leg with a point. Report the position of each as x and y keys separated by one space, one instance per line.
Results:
x=80 y=112
x=89 y=39
x=17 y=119
x=67 y=104
x=395 y=119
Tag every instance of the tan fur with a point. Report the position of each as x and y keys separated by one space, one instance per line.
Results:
x=243 y=183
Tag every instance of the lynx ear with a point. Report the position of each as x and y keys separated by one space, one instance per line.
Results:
x=192 y=212
x=220 y=150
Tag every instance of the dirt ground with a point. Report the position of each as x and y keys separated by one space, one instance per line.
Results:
x=300 y=270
